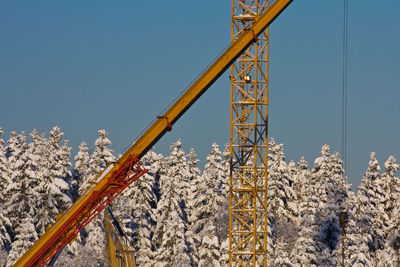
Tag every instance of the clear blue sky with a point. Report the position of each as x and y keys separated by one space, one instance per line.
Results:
x=88 y=65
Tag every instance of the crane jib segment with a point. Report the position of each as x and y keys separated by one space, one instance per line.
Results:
x=117 y=176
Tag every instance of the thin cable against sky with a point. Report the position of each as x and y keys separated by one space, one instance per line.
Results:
x=344 y=85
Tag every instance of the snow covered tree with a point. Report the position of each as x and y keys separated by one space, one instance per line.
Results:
x=53 y=176
x=170 y=237
x=294 y=175
x=392 y=251
x=210 y=198
x=363 y=240
x=342 y=188
x=216 y=182
x=5 y=240
x=321 y=173
x=392 y=209
x=4 y=171
x=196 y=192
x=224 y=260
x=306 y=248
x=20 y=207
x=391 y=184
x=60 y=172
x=101 y=157
x=85 y=256
x=301 y=177
x=3 y=257
x=342 y=204
x=138 y=213
x=55 y=173
x=209 y=254
x=35 y=170
x=282 y=206
x=170 y=231
x=332 y=192
x=25 y=236
x=374 y=192
x=282 y=197
x=359 y=239
x=14 y=152
x=226 y=163
x=80 y=172
x=330 y=233
x=223 y=219
x=194 y=181
x=384 y=193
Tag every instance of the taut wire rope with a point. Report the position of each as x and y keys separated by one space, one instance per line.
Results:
x=344 y=85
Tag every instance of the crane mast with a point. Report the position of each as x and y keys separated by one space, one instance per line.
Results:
x=248 y=141
x=108 y=184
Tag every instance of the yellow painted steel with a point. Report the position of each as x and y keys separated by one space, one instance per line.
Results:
x=157 y=130
x=248 y=142
x=119 y=252
x=110 y=245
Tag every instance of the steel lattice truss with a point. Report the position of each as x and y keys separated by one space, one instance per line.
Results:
x=248 y=146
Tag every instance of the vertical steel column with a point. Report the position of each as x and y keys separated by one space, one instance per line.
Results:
x=248 y=141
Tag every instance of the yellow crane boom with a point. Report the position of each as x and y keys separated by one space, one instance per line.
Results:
x=119 y=251
x=118 y=175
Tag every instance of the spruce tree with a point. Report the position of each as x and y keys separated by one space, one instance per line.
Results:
x=20 y=207
x=209 y=250
x=195 y=199
x=391 y=184
x=392 y=209
x=101 y=157
x=385 y=189
x=377 y=197
x=359 y=237
x=320 y=174
x=5 y=240
x=282 y=197
x=281 y=203
x=36 y=168
x=302 y=177
x=80 y=171
x=209 y=222
x=367 y=204
x=25 y=236
x=223 y=219
x=138 y=209
x=306 y=247
x=3 y=257
x=215 y=177
x=170 y=233
x=59 y=173
x=4 y=171
x=393 y=239
x=331 y=190
x=79 y=174
x=52 y=176
x=224 y=252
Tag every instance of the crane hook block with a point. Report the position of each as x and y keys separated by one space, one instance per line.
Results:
x=168 y=123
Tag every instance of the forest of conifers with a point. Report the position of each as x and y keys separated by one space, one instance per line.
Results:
x=177 y=214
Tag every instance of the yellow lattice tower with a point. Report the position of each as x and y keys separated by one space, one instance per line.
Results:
x=248 y=143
